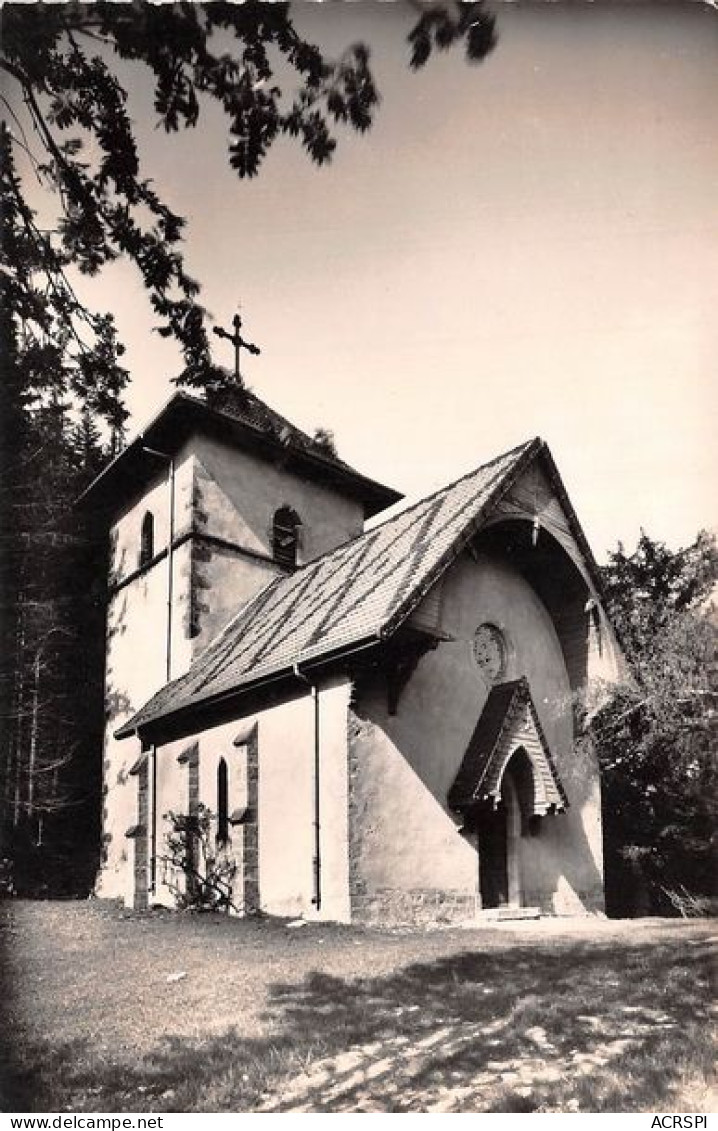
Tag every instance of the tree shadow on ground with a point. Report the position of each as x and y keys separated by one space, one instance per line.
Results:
x=585 y=1026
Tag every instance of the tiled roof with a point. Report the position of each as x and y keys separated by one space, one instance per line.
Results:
x=239 y=417
x=242 y=404
x=361 y=591
x=504 y=724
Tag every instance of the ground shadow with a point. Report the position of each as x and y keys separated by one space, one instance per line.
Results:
x=531 y=1028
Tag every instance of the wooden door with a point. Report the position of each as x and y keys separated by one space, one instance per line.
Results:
x=493 y=870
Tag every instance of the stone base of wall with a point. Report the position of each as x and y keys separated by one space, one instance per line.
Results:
x=418 y=907
x=544 y=900
x=558 y=904
x=422 y=907
x=590 y=902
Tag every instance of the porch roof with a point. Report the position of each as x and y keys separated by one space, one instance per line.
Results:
x=508 y=721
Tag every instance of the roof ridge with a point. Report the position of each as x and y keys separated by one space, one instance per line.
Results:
x=420 y=502
x=274 y=419
x=467 y=475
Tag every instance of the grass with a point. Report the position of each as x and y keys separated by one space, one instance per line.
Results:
x=110 y=1011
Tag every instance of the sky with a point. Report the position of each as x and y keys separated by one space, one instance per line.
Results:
x=524 y=247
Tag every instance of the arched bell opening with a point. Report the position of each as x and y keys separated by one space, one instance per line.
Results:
x=285 y=537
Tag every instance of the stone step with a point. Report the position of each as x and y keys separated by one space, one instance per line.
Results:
x=502 y=914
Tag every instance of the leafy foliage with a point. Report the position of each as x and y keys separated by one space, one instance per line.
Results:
x=58 y=347
x=440 y=27
x=226 y=53
x=649 y=587
x=656 y=735
x=200 y=873
x=324 y=440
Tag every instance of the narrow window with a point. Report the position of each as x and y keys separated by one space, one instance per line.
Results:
x=147 y=539
x=222 y=803
x=285 y=537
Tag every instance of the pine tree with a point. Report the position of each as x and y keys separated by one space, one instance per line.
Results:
x=54 y=719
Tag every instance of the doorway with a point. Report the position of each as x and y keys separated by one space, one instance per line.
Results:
x=493 y=865
x=499 y=832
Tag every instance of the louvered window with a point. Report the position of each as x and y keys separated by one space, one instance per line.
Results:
x=285 y=537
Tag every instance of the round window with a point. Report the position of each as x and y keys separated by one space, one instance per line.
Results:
x=490 y=652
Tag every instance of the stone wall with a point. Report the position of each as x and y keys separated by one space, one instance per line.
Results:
x=250 y=828
x=286 y=805
x=590 y=646
x=416 y=907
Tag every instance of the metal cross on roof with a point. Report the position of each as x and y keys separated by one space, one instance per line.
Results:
x=238 y=342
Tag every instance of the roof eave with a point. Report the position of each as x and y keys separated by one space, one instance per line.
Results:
x=374 y=496
x=405 y=610
x=99 y=483
x=592 y=566
x=556 y=481
x=300 y=670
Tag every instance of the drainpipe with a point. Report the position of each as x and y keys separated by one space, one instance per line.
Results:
x=317 y=897
x=170 y=564
x=153 y=824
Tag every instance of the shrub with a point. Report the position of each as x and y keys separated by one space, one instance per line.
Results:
x=200 y=872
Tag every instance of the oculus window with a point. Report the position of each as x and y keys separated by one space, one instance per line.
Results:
x=490 y=652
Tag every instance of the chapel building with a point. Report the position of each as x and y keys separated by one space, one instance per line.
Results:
x=381 y=721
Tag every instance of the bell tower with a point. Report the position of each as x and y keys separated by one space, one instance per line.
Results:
x=213 y=500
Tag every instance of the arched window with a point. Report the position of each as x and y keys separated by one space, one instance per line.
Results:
x=147 y=539
x=285 y=537
x=222 y=802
